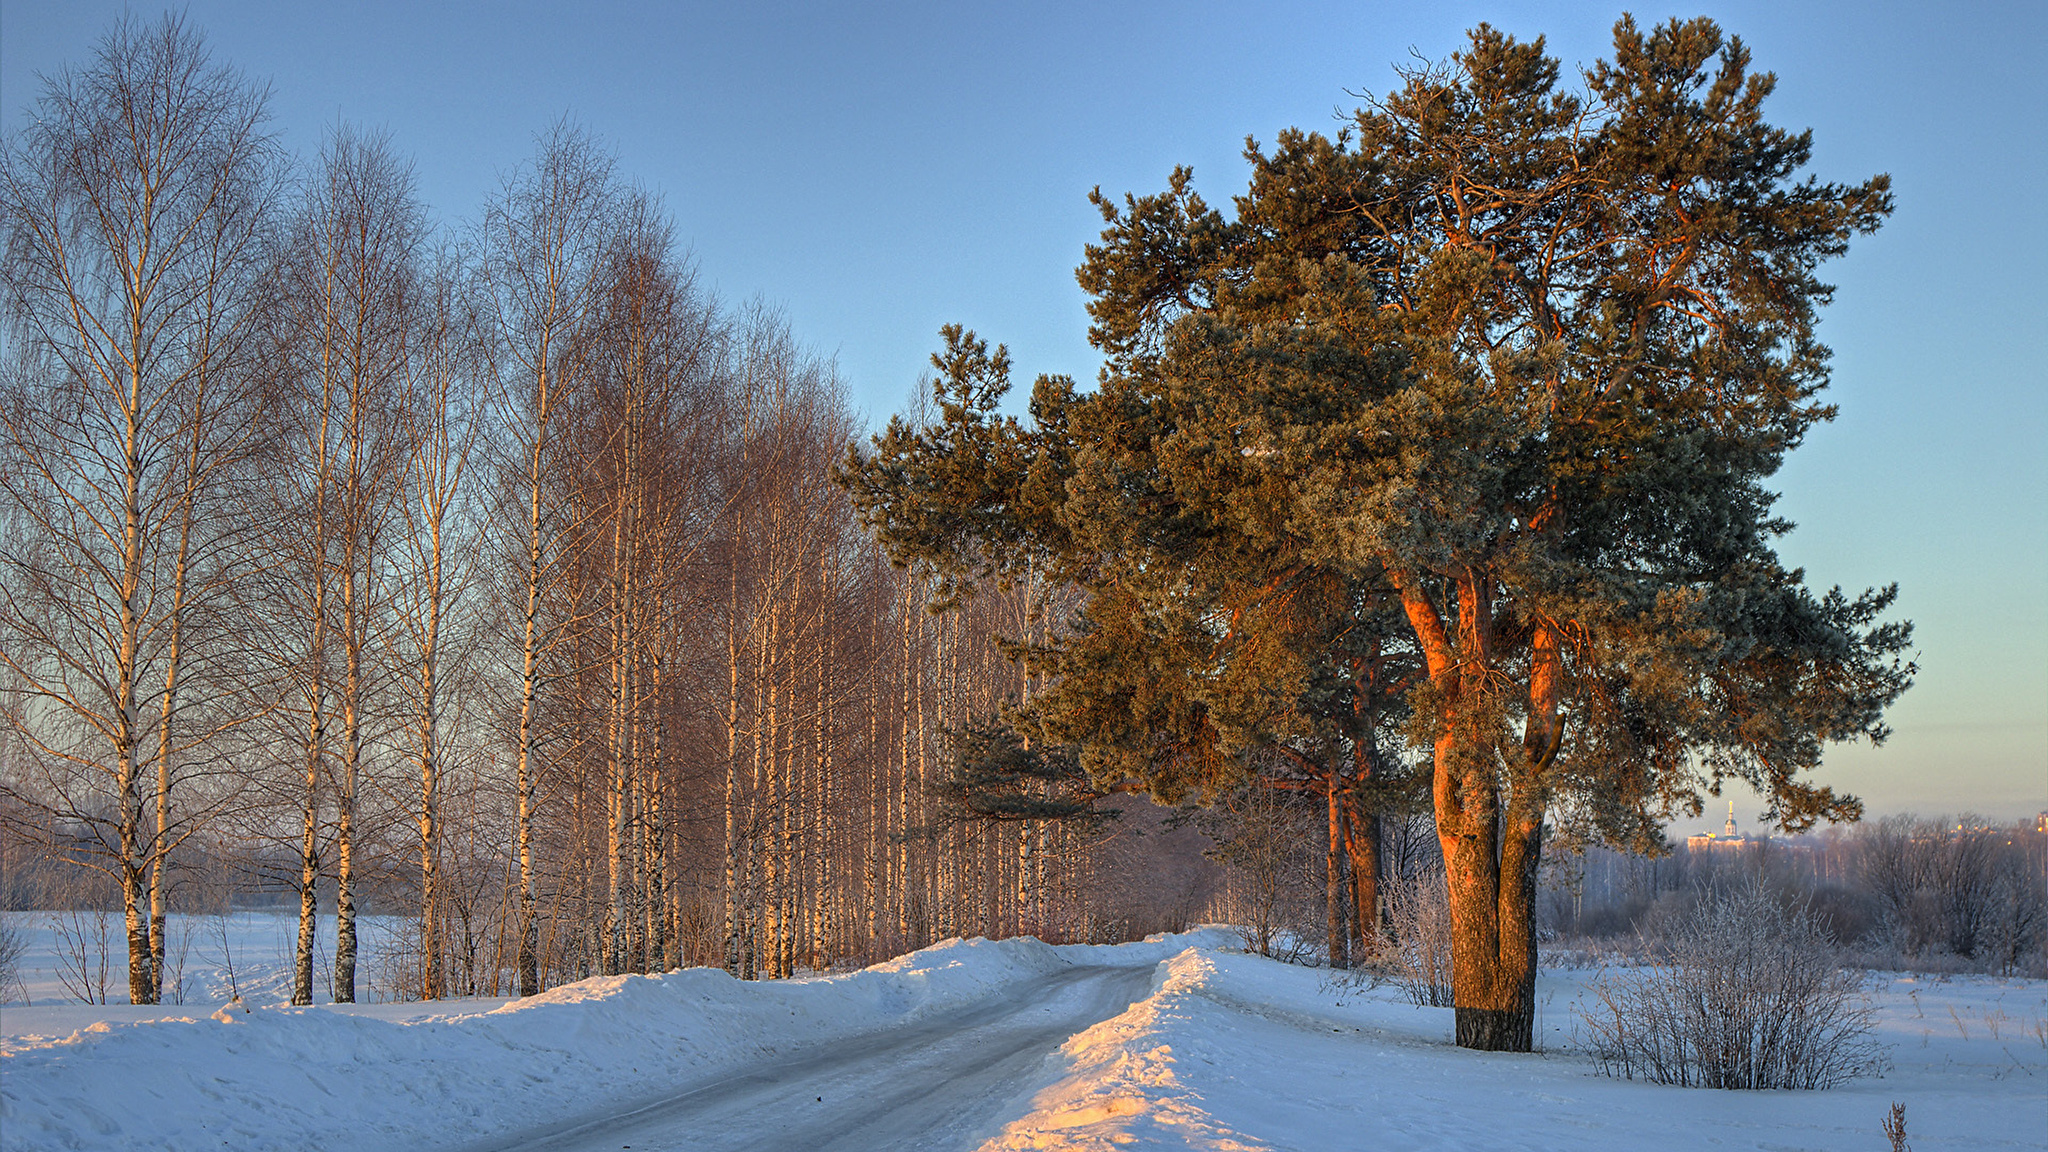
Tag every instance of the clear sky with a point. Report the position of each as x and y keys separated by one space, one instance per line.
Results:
x=882 y=169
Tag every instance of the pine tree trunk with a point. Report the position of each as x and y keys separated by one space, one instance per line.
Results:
x=1492 y=892
x=1491 y=884
x=1362 y=840
x=1334 y=900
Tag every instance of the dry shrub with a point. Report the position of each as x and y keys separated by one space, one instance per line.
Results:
x=1749 y=995
x=1418 y=916
x=1264 y=839
x=13 y=946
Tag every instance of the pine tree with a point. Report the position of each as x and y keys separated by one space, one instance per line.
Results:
x=1504 y=364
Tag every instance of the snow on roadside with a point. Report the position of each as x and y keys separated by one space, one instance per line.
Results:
x=326 y=1078
x=1234 y=1053
x=1229 y=1052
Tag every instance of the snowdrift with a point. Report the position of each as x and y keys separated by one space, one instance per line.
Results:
x=317 y=1078
x=1227 y=1052
x=1239 y=1053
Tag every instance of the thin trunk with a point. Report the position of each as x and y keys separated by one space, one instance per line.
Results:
x=875 y=795
x=316 y=733
x=309 y=858
x=128 y=721
x=431 y=985
x=160 y=846
x=907 y=672
x=655 y=879
x=133 y=909
x=615 y=945
x=732 y=760
x=345 y=803
x=774 y=799
x=344 y=829
x=529 y=692
x=821 y=882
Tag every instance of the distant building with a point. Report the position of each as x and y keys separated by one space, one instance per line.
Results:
x=1728 y=840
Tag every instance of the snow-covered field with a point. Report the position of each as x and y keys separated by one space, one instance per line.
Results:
x=1226 y=1051
x=1236 y=1051
x=208 y=959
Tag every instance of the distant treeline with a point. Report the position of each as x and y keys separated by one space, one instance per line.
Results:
x=1905 y=891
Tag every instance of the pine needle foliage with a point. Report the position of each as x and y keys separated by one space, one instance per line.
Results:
x=998 y=775
x=1487 y=385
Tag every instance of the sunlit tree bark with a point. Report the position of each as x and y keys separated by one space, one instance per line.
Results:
x=133 y=207
x=546 y=237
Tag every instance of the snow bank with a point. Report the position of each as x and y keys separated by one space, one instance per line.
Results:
x=322 y=1078
x=1227 y=1052
x=1236 y=1052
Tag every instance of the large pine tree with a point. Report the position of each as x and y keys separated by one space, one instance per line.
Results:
x=1504 y=362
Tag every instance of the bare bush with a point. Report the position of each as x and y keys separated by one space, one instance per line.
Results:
x=1895 y=1128
x=1749 y=995
x=13 y=945
x=1262 y=839
x=1418 y=915
x=397 y=960
x=81 y=941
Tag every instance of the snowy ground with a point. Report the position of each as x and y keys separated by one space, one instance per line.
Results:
x=74 y=955
x=998 y=1045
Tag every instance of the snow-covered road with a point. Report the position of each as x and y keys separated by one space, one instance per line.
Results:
x=945 y=1082
x=1176 y=1043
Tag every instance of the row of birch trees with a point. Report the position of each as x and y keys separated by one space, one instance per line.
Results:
x=489 y=576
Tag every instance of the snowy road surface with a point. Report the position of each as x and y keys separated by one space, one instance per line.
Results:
x=941 y=1083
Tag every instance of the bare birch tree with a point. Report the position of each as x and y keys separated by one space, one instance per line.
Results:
x=353 y=276
x=133 y=211
x=545 y=241
x=440 y=415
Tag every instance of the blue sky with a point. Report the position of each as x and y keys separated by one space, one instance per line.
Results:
x=880 y=170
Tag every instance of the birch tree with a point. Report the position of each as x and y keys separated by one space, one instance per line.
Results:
x=546 y=238
x=134 y=211
x=353 y=272
x=440 y=413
